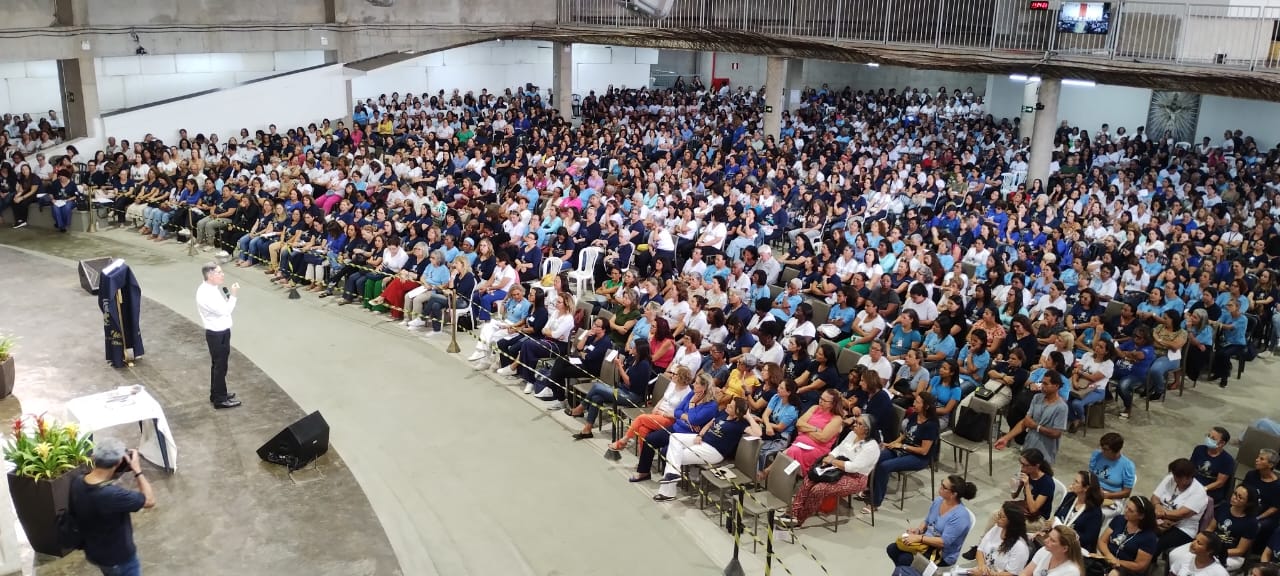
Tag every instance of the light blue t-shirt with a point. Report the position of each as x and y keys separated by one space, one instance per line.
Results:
x=845 y=313
x=517 y=311
x=952 y=528
x=901 y=340
x=934 y=345
x=783 y=413
x=1113 y=475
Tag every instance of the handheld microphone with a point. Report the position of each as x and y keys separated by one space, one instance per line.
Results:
x=225 y=291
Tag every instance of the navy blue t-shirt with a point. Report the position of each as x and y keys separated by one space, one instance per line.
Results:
x=1268 y=492
x=1043 y=487
x=1232 y=528
x=1126 y=546
x=723 y=435
x=1209 y=467
x=103 y=513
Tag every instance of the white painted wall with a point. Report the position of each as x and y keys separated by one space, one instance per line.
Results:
x=1089 y=107
x=30 y=88
x=288 y=101
x=1004 y=97
x=128 y=81
x=1257 y=118
x=497 y=66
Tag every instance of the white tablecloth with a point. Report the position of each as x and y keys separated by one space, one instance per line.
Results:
x=119 y=407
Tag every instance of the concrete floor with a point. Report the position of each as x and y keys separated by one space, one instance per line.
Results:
x=464 y=491
x=224 y=511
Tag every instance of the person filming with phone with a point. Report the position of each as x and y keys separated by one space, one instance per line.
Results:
x=102 y=508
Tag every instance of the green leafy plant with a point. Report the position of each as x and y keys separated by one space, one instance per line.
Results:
x=43 y=449
x=7 y=344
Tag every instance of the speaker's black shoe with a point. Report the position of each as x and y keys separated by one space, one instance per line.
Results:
x=230 y=396
x=228 y=403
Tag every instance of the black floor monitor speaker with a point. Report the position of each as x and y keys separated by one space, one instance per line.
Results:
x=90 y=271
x=299 y=443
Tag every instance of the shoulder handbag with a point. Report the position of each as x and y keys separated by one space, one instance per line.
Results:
x=825 y=474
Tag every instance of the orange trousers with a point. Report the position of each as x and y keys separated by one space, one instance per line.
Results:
x=646 y=423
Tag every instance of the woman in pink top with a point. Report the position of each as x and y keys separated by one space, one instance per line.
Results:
x=663 y=344
x=817 y=430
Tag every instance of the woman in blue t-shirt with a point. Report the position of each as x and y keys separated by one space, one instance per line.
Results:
x=945 y=387
x=717 y=440
x=904 y=335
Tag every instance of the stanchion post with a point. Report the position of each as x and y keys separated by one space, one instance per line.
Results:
x=734 y=568
x=617 y=416
x=191 y=242
x=768 y=546
x=453 y=332
x=92 y=225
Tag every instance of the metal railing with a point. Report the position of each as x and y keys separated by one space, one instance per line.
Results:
x=1147 y=31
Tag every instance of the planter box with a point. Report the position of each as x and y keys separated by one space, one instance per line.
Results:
x=37 y=503
x=6 y=378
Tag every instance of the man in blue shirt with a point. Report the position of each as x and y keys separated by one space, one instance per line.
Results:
x=101 y=509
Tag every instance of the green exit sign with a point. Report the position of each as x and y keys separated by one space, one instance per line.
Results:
x=768 y=109
x=1028 y=109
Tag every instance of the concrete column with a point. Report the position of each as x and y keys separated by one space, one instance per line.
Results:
x=775 y=82
x=795 y=83
x=1042 y=133
x=1030 y=95
x=10 y=558
x=562 y=78
x=79 y=83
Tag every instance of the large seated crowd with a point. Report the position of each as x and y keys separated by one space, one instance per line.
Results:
x=879 y=275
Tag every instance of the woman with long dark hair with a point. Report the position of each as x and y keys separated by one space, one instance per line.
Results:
x=1081 y=509
x=910 y=451
x=1003 y=550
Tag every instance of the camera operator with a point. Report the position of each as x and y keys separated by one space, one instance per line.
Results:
x=102 y=509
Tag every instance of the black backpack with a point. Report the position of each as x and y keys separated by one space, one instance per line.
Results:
x=973 y=425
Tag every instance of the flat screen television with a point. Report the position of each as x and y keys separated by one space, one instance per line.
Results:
x=1085 y=18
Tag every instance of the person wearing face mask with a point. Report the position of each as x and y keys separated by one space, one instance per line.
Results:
x=1214 y=466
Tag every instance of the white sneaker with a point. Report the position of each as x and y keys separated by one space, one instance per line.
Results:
x=415 y=323
x=508 y=370
x=430 y=333
x=483 y=365
x=528 y=388
x=477 y=356
x=546 y=393
x=555 y=406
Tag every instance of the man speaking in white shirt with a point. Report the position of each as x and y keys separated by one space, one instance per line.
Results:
x=215 y=304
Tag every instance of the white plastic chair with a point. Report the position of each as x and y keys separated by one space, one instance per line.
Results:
x=550 y=265
x=584 y=277
x=460 y=312
x=1059 y=493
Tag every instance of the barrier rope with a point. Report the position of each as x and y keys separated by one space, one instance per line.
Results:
x=617 y=418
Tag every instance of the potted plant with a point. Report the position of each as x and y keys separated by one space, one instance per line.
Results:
x=7 y=344
x=43 y=455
